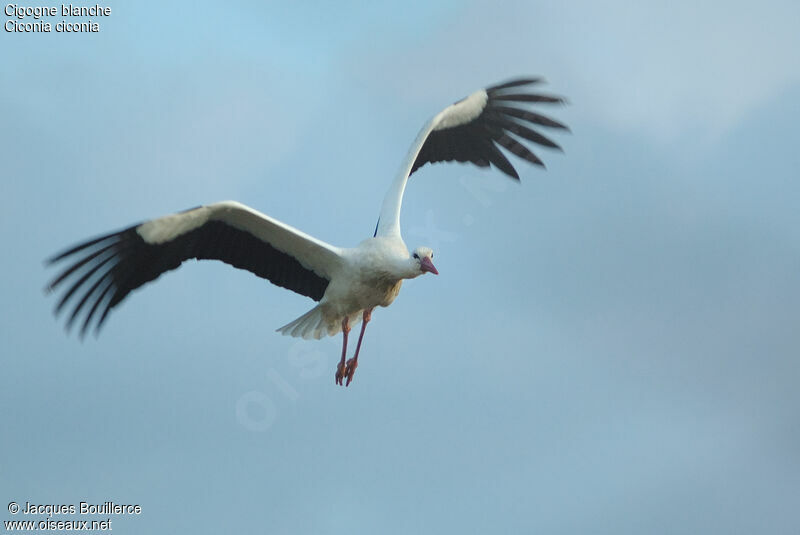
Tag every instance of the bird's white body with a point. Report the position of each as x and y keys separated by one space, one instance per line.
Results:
x=370 y=276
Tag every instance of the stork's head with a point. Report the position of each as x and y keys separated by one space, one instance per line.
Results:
x=423 y=258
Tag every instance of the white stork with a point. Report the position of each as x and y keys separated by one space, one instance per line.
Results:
x=348 y=283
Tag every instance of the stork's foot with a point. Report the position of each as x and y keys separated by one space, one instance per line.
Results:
x=341 y=370
x=350 y=370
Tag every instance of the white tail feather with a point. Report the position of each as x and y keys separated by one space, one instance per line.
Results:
x=312 y=324
x=309 y=325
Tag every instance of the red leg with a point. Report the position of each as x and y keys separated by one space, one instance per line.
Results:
x=340 y=368
x=352 y=364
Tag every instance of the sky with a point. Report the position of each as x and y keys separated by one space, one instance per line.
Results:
x=611 y=346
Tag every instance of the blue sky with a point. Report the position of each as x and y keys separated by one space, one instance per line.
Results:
x=611 y=346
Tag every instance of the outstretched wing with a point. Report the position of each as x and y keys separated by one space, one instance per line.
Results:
x=103 y=271
x=473 y=130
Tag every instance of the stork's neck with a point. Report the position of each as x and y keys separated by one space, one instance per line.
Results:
x=385 y=255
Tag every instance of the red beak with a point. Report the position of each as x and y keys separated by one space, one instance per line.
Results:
x=427 y=265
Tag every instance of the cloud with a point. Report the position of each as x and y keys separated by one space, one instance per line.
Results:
x=666 y=68
x=660 y=67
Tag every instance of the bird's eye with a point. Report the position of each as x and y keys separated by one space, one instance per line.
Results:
x=416 y=256
x=431 y=256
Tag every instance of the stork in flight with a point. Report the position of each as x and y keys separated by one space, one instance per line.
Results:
x=348 y=283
